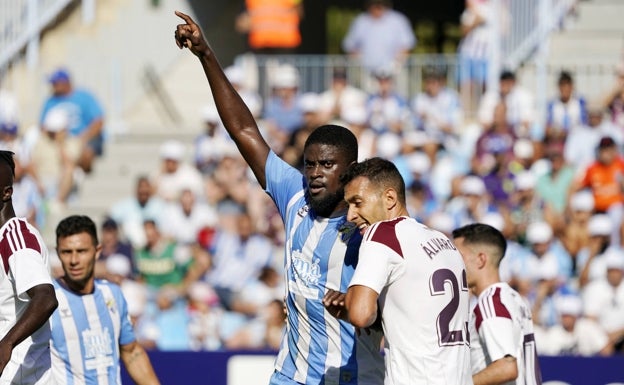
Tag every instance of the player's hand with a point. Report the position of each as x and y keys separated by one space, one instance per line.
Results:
x=334 y=302
x=189 y=35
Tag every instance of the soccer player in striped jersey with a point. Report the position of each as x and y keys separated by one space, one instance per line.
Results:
x=91 y=328
x=502 y=343
x=414 y=275
x=26 y=293
x=320 y=248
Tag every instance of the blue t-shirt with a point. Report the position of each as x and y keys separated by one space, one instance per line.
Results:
x=81 y=106
x=87 y=331
x=320 y=254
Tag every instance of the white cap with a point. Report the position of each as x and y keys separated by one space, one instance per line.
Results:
x=56 y=119
x=388 y=145
x=494 y=219
x=118 y=264
x=539 y=232
x=524 y=181
x=582 y=201
x=416 y=138
x=523 y=149
x=210 y=114
x=600 y=224
x=547 y=269
x=472 y=185
x=569 y=305
x=172 y=149
x=419 y=163
x=309 y=102
x=614 y=258
x=234 y=74
x=354 y=115
x=286 y=76
x=442 y=221
x=202 y=292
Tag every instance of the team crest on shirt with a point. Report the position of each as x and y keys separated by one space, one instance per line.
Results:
x=110 y=304
x=303 y=211
x=346 y=230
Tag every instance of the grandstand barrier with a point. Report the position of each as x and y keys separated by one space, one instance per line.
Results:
x=255 y=368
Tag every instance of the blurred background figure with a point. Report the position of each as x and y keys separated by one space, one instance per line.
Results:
x=85 y=116
x=380 y=37
x=175 y=174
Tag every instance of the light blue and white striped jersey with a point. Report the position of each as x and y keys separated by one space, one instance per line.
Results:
x=319 y=255
x=87 y=331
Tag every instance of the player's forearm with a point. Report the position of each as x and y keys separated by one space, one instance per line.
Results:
x=498 y=372
x=40 y=307
x=138 y=365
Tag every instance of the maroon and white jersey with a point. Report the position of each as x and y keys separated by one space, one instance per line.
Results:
x=24 y=265
x=423 y=296
x=501 y=325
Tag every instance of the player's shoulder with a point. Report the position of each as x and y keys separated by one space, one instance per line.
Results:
x=499 y=300
x=106 y=285
x=17 y=234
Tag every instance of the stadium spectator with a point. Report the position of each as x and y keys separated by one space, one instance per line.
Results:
x=502 y=342
x=130 y=213
x=603 y=299
x=380 y=37
x=356 y=120
x=116 y=260
x=28 y=298
x=272 y=27
x=519 y=105
x=575 y=234
x=566 y=112
x=186 y=216
x=614 y=101
x=438 y=112
x=341 y=97
x=210 y=146
x=310 y=107
x=253 y=100
x=553 y=186
x=591 y=259
x=86 y=117
x=91 y=331
x=399 y=255
x=309 y=203
x=387 y=110
x=574 y=334
x=175 y=173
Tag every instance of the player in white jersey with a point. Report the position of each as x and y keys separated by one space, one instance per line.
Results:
x=320 y=250
x=502 y=343
x=26 y=293
x=91 y=328
x=415 y=273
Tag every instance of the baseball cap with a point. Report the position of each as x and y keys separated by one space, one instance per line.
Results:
x=569 y=305
x=309 y=102
x=109 y=223
x=494 y=219
x=356 y=115
x=172 y=149
x=600 y=224
x=472 y=185
x=606 y=141
x=286 y=76
x=388 y=145
x=60 y=75
x=384 y=72
x=539 y=232
x=614 y=258
x=56 y=119
x=582 y=201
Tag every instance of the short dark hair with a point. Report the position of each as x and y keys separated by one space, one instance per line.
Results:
x=76 y=224
x=7 y=158
x=338 y=136
x=480 y=233
x=507 y=75
x=565 y=77
x=379 y=171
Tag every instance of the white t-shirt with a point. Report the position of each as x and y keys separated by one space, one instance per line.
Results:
x=605 y=303
x=587 y=339
x=423 y=295
x=501 y=325
x=25 y=265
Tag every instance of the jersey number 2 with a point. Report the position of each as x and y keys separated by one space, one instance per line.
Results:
x=438 y=281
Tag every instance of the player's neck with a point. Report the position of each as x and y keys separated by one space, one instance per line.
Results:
x=488 y=279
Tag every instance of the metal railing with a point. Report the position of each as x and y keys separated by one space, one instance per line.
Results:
x=22 y=22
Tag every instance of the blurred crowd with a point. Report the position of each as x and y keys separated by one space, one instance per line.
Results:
x=197 y=247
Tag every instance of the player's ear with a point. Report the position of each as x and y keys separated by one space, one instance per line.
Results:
x=391 y=198
x=481 y=260
x=7 y=193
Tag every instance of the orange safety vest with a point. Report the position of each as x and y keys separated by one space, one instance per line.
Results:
x=273 y=23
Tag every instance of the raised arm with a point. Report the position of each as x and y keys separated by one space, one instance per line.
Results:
x=40 y=307
x=235 y=115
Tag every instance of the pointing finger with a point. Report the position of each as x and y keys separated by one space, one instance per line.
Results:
x=185 y=17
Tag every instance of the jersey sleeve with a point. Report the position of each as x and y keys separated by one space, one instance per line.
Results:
x=126 y=333
x=378 y=265
x=498 y=337
x=28 y=270
x=282 y=181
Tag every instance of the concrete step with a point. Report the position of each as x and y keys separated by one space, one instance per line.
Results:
x=596 y=15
